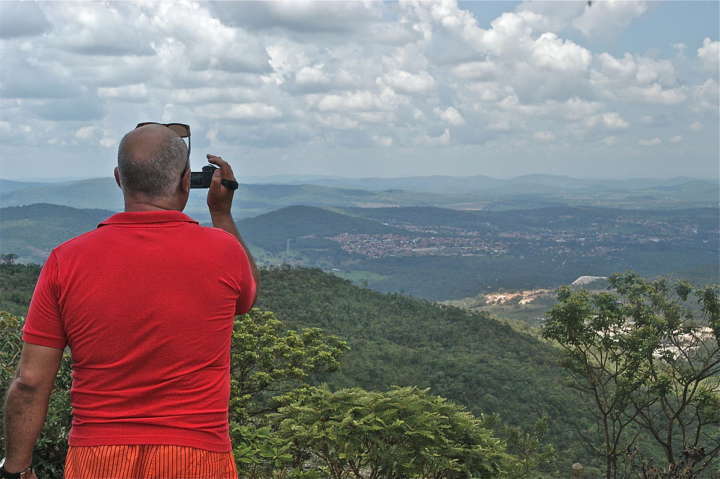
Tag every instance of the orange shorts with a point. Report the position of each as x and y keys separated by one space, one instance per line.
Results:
x=148 y=462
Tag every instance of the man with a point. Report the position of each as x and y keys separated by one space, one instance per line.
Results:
x=146 y=304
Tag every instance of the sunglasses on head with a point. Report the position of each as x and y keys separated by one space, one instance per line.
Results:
x=182 y=130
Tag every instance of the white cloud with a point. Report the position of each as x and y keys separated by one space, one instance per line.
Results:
x=382 y=140
x=707 y=96
x=301 y=16
x=553 y=53
x=608 y=17
x=86 y=132
x=440 y=140
x=108 y=142
x=204 y=95
x=696 y=126
x=22 y=19
x=85 y=29
x=407 y=82
x=544 y=136
x=484 y=70
x=614 y=121
x=337 y=121
x=450 y=115
x=637 y=79
x=709 y=55
x=311 y=75
x=95 y=135
x=611 y=121
x=650 y=141
x=355 y=101
x=500 y=125
x=656 y=94
x=238 y=111
x=329 y=75
x=610 y=140
x=676 y=139
x=132 y=93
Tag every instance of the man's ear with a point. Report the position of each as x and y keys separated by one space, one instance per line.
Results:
x=117 y=177
x=185 y=181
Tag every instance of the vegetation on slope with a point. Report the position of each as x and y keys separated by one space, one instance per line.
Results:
x=395 y=340
x=398 y=340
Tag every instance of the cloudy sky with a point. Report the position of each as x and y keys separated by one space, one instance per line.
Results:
x=364 y=88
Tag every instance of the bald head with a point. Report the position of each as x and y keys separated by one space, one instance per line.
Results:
x=151 y=160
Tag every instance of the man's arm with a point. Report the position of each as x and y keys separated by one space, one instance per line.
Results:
x=220 y=203
x=26 y=403
x=226 y=223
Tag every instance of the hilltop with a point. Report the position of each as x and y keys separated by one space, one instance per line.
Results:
x=32 y=231
x=303 y=224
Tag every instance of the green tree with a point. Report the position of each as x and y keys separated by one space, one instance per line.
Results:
x=8 y=258
x=401 y=433
x=267 y=359
x=536 y=459
x=50 y=450
x=648 y=359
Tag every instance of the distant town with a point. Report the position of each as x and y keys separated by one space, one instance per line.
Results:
x=595 y=239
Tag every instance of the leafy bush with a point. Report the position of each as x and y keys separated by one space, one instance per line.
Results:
x=49 y=455
x=401 y=433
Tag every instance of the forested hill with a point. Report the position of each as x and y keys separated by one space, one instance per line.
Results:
x=32 y=231
x=398 y=340
x=271 y=230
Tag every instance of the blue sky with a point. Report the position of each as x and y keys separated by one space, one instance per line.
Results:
x=362 y=88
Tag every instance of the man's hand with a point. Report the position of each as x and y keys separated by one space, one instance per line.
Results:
x=219 y=198
x=219 y=201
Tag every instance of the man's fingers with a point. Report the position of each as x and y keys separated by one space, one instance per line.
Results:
x=225 y=168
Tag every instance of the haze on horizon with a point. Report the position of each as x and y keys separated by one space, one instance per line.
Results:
x=618 y=89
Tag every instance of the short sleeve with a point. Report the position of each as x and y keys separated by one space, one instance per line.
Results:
x=44 y=325
x=245 y=280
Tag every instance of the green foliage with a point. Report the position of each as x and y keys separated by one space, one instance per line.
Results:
x=267 y=359
x=647 y=361
x=49 y=454
x=261 y=453
x=314 y=433
x=535 y=458
x=467 y=358
x=395 y=340
x=8 y=258
x=401 y=433
x=17 y=282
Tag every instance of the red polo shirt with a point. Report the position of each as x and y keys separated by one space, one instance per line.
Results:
x=146 y=303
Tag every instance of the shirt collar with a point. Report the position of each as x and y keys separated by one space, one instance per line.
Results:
x=146 y=217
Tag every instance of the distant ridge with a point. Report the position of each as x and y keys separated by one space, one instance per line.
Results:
x=49 y=211
x=250 y=199
x=272 y=230
x=32 y=231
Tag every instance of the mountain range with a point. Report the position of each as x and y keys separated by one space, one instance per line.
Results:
x=471 y=193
